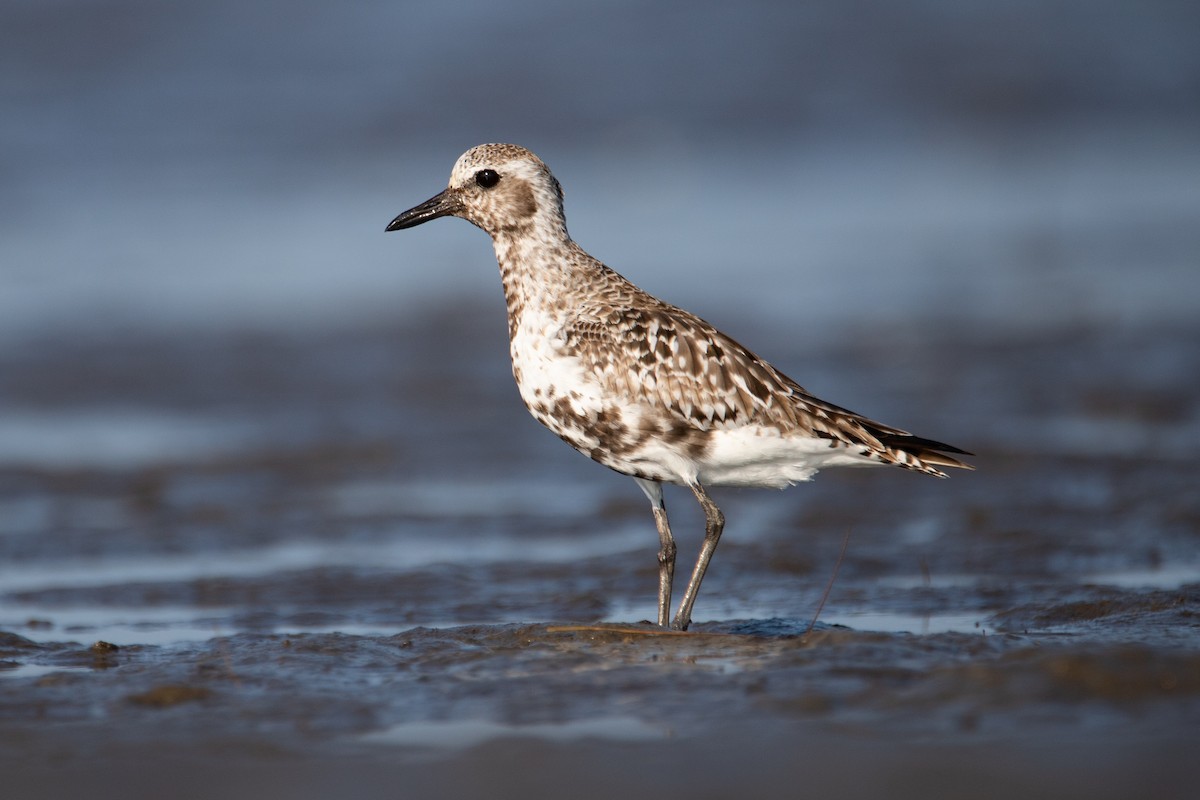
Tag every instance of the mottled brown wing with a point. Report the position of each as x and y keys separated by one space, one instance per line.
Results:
x=694 y=375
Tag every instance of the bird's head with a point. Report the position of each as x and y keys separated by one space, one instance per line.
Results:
x=502 y=188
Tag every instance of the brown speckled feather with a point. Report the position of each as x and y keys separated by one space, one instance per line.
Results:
x=671 y=360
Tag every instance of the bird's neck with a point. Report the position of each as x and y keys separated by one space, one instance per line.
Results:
x=540 y=270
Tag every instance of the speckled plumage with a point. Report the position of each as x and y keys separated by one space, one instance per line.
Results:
x=640 y=385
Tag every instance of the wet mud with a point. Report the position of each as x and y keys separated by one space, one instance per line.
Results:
x=348 y=562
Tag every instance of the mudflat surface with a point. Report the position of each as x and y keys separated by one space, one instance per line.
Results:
x=349 y=562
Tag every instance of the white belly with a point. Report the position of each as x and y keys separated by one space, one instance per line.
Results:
x=756 y=456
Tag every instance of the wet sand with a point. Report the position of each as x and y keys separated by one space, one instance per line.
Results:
x=348 y=564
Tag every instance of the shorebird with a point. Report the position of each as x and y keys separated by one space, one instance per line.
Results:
x=639 y=385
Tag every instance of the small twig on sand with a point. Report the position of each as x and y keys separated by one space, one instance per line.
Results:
x=829 y=588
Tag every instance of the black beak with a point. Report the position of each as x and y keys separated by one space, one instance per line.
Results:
x=439 y=205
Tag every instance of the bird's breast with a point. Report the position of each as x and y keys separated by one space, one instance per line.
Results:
x=616 y=429
x=565 y=397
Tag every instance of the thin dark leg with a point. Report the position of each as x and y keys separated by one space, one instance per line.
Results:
x=714 y=523
x=666 y=564
x=666 y=550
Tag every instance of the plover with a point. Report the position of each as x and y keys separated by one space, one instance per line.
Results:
x=639 y=385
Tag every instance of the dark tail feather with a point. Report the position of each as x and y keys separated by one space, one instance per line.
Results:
x=927 y=451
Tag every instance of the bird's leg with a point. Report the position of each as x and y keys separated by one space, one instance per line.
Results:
x=666 y=564
x=714 y=523
x=666 y=550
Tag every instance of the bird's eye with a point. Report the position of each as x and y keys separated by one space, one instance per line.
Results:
x=487 y=178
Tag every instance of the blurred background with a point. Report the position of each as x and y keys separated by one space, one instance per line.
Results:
x=231 y=404
x=230 y=165
x=276 y=457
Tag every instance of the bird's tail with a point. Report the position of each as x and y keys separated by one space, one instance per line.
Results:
x=925 y=455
